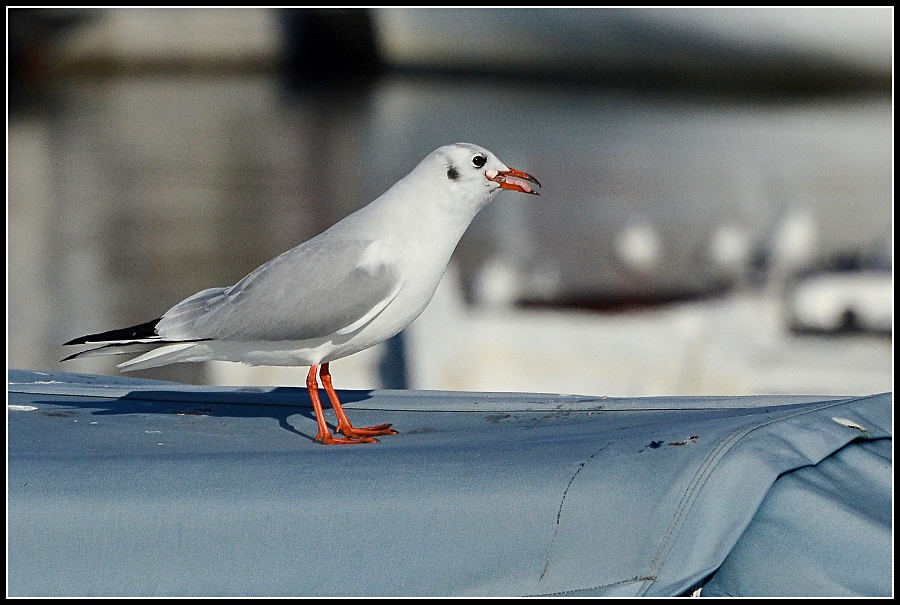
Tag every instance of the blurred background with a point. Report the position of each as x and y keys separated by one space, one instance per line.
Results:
x=716 y=214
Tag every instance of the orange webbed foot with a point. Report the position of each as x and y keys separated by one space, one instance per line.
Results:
x=365 y=431
x=329 y=439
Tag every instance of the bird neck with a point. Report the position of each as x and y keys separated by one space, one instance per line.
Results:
x=443 y=214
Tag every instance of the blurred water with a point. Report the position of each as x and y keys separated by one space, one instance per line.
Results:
x=129 y=194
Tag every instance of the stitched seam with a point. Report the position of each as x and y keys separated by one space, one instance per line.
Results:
x=702 y=476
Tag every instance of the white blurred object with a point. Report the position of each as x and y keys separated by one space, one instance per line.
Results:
x=730 y=249
x=794 y=242
x=861 y=299
x=639 y=248
x=498 y=283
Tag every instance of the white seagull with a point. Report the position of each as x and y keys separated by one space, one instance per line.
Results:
x=351 y=287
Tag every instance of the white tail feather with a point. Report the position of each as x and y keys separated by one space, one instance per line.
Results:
x=158 y=357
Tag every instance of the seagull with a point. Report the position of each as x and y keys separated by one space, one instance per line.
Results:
x=349 y=288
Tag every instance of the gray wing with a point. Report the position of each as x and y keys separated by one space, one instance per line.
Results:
x=317 y=289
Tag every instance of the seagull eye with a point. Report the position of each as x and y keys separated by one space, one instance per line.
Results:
x=479 y=160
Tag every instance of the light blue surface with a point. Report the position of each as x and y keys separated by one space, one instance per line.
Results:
x=822 y=530
x=130 y=487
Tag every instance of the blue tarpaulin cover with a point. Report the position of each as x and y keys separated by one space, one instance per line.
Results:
x=124 y=487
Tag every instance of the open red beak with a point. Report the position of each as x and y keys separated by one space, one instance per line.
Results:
x=513 y=179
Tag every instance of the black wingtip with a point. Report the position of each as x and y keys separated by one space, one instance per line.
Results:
x=144 y=330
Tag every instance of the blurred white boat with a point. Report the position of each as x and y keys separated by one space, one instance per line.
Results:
x=833 y=302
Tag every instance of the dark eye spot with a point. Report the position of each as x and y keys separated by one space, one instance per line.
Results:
x=452 y=173
x=479 y=160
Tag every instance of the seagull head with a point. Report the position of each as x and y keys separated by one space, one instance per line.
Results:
x=468 y=165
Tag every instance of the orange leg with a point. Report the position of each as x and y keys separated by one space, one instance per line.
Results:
x=344 y=425
x=324 y=435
